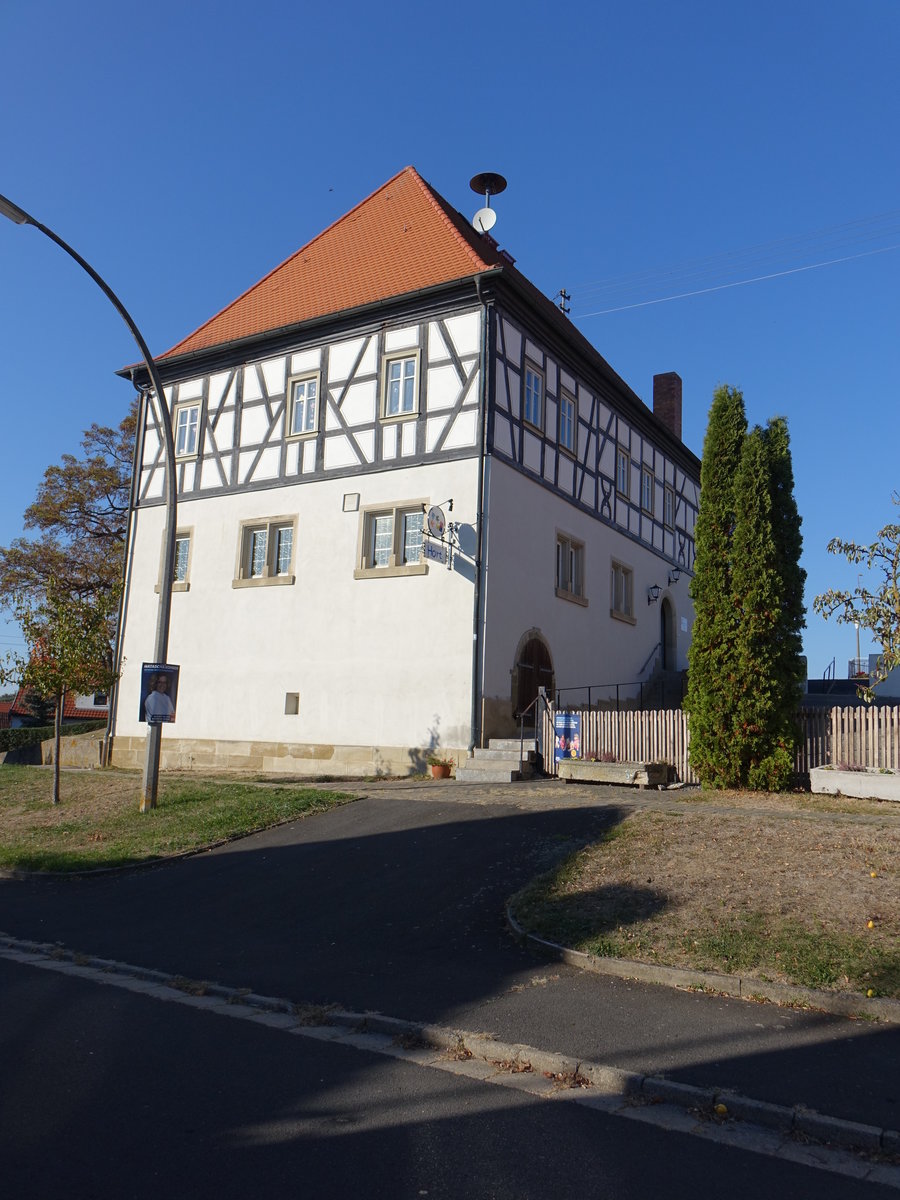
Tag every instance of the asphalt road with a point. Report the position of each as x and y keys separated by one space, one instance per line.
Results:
x=111 y=1095
x=393 y=904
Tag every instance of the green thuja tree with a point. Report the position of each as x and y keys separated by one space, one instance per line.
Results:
x=713 y=666
x=790 y=665
x=767 y=599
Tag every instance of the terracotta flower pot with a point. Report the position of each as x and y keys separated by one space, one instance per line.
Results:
x=440 y=771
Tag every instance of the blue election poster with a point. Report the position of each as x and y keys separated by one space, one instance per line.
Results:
x=567 y=735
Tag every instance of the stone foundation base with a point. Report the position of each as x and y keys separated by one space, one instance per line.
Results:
x=277 y=758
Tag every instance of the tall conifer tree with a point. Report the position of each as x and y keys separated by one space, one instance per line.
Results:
x=712 y=656
x=746 y=666
x=768 y=596
x=786 y=523
x=756 y=597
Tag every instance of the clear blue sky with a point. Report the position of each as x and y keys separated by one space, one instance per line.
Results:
x=185 y=149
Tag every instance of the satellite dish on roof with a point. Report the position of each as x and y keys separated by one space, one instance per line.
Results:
x=484 y=219
x=489 y=184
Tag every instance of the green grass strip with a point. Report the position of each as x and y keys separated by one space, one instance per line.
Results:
x=190 y=816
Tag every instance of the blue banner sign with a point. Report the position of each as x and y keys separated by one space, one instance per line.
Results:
x=567 y=735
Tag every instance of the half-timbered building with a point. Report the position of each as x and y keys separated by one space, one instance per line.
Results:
x=409 y=493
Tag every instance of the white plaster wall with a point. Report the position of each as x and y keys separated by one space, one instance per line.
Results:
x=443 y=388
x=587 y=645
x=375 y=661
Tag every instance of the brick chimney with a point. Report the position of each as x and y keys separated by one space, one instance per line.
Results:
x=667 y=401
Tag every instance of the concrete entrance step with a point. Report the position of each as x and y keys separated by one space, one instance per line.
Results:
x=493 y=754
x=513 y=744
x=504 y=760
x=473 y=774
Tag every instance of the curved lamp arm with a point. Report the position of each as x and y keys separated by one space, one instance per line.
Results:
x=20 y=217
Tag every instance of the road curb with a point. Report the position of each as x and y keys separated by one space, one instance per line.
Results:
x=842 y=1004
x=543 y=1072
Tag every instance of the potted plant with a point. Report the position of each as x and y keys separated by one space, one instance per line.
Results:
x=440 y=766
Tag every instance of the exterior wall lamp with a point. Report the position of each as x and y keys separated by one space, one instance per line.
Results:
x=674 y=575
x=150 y=780
x=653 y=593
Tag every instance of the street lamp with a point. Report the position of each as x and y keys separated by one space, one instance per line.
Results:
x=150 y=782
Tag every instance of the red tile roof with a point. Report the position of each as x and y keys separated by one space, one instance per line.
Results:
x=71 y=712
x=19 y=707
x=403 y=238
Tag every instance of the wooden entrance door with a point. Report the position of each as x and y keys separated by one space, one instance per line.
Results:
x=534 y=669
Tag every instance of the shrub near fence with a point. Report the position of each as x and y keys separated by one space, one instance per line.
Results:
x=868 y=737
x=33 y=735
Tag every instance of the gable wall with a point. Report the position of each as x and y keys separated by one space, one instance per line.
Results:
x=244 y=440
x=331 y=634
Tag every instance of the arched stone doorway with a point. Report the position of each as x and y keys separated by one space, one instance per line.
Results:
x=667 y=635
x=533 y=669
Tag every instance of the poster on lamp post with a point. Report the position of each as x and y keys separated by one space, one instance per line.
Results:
x=159 y=693
x=567 y=736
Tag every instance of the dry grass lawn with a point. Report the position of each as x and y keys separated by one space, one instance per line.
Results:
x=781 y=888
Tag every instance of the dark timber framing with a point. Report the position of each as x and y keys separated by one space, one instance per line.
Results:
x=603 y=404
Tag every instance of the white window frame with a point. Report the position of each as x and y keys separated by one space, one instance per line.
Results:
x=621 y=592
x=183 y=541
x=648 y=488
x=400 y=356
x=396 y=561
x=669 y=507
x=570 y=568
x=308 y=431
x=185 y=534
x=272 y=528
x=623 y=472
x=181 y=409
x=535 y=420
x=567 y=405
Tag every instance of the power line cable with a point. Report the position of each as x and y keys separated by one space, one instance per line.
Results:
x=827 y=243
x=736 y=283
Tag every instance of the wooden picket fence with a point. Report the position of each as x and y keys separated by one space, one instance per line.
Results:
x=868 y=737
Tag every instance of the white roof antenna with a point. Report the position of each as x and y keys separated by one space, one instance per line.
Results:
x=489 y=184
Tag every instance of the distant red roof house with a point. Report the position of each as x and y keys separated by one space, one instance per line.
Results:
x=76 y=708
x=5 y=706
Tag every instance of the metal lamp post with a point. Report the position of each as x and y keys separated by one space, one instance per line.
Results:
x=150 y=782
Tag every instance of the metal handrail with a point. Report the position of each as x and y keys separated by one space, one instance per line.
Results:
x=590 y=687
x=658 y=646
x=542 y=695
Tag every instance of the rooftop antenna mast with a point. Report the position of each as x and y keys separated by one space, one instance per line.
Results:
x=488 y=184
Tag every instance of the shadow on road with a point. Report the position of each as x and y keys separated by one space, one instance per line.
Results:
x=398 y=906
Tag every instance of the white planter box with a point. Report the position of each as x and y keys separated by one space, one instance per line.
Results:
x=869 y=785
